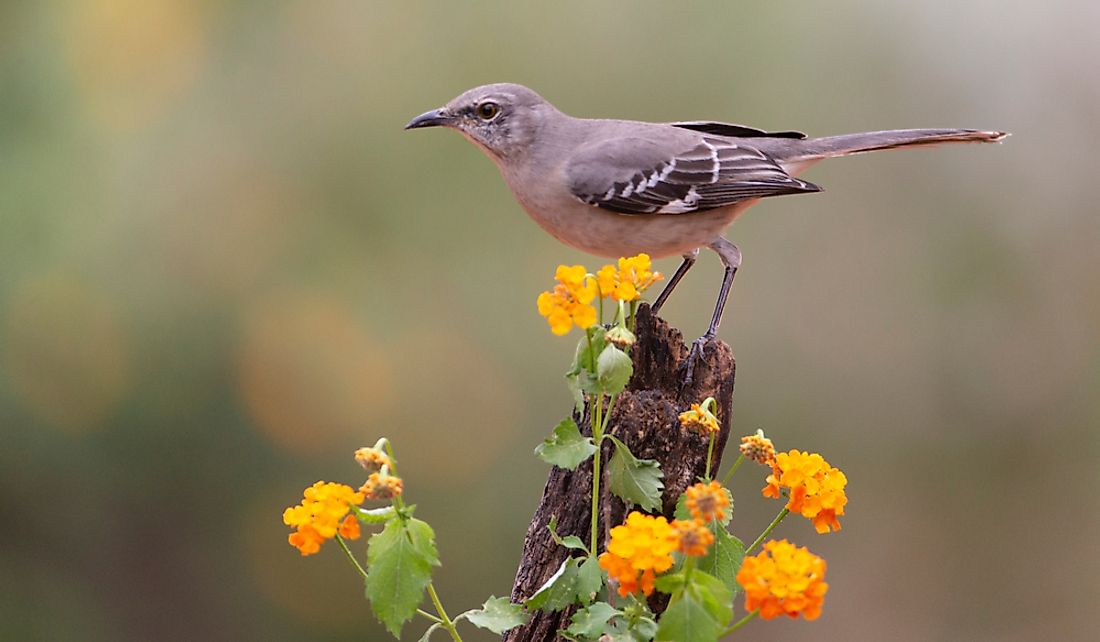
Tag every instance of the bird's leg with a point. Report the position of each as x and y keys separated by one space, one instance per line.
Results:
x=731 y=258
x=689 y=260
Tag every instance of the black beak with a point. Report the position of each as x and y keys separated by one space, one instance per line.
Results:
x=433 y=118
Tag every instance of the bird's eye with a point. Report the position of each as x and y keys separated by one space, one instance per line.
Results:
x=488 y=110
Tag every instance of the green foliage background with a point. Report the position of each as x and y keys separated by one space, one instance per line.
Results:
x=223 y=266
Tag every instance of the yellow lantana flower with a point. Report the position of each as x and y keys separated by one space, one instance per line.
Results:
x=784 y=580
x=570 y=302
x=321 y=515
x=816 y=488
x=758 y=448
x=707 y=501
x=639 y=550
x=627 y=283
x=699 y=418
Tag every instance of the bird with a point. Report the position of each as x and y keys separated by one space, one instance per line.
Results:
x=617 y=188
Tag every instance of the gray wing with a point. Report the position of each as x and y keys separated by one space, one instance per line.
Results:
x=642 y=176
x=733 y=130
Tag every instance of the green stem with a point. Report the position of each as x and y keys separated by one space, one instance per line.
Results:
x=739 y=623
x=726 y=479
x=399 y=501
x=591 y=353
x=597 y=439
x=768 y=531
x=347 y=551
x=445 y=620
x=710 y=453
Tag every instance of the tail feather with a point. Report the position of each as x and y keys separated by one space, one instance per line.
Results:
x=848 y=144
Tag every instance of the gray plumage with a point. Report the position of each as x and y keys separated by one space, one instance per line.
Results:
x=619 y=187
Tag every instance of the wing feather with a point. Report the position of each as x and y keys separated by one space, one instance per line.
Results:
x=638 y=176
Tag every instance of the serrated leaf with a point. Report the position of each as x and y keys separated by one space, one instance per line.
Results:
x=497 y=615
x=399 y=567
x=687 y=620
x=589 y=580
x=614 y=368
x=635 y=481
x=566 y=447
x=559 y=591
x=592 y=620
x=698 y=612
x=373 y=515
x=724 y=557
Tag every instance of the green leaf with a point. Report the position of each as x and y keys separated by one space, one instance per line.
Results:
x=573 y=542
x=698 y=612
x=614 y=368
x=635 y=481
x=591 y=621
x=589 y=580
x=399 y=567
x=497 y=615
x=715 y=596
x=373 y=515
x=566 y=447
x=559 y=591
x=670 y=583
x=723 y=559
x=687 y=620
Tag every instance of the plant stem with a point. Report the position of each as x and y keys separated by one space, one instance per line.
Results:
x=347 y=551
x=739 y=623
x=399 y=501
x=443 y=617
x=597 y=439
x=768 y=531
x=726 y=479
x=710 y=453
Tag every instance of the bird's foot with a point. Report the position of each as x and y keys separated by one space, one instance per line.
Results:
x=695 y=354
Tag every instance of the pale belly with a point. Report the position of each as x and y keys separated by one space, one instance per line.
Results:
x=612 y=235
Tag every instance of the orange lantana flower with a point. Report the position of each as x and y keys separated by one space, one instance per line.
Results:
x=816 y=488
x=707 y=501
x=319 y=516
x=782 y=580
x=694 y=536
x=639 y=550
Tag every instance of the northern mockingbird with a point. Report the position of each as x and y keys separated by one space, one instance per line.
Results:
x=619 y=187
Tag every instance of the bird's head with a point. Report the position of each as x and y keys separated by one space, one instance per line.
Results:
x=503 y=119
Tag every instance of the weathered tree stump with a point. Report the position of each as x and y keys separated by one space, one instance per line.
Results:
x=646 y=419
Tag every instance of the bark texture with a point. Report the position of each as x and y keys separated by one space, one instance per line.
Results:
x=646 y=419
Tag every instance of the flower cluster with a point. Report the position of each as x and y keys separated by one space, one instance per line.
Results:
x=322 y=514
x=758 y=448
x=699 y=418
x=372 y=459
x=693 y=536
x=571 y=300
x=627 y=283
x=782 y=580
x=816 y=488
x=638 y=550
x=382 y=486
x=707 y=501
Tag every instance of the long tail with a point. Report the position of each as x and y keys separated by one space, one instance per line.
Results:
x=848 y=144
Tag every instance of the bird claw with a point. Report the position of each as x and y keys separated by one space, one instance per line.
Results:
x=696 y=353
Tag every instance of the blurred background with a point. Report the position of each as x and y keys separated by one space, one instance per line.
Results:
x=224 y=266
